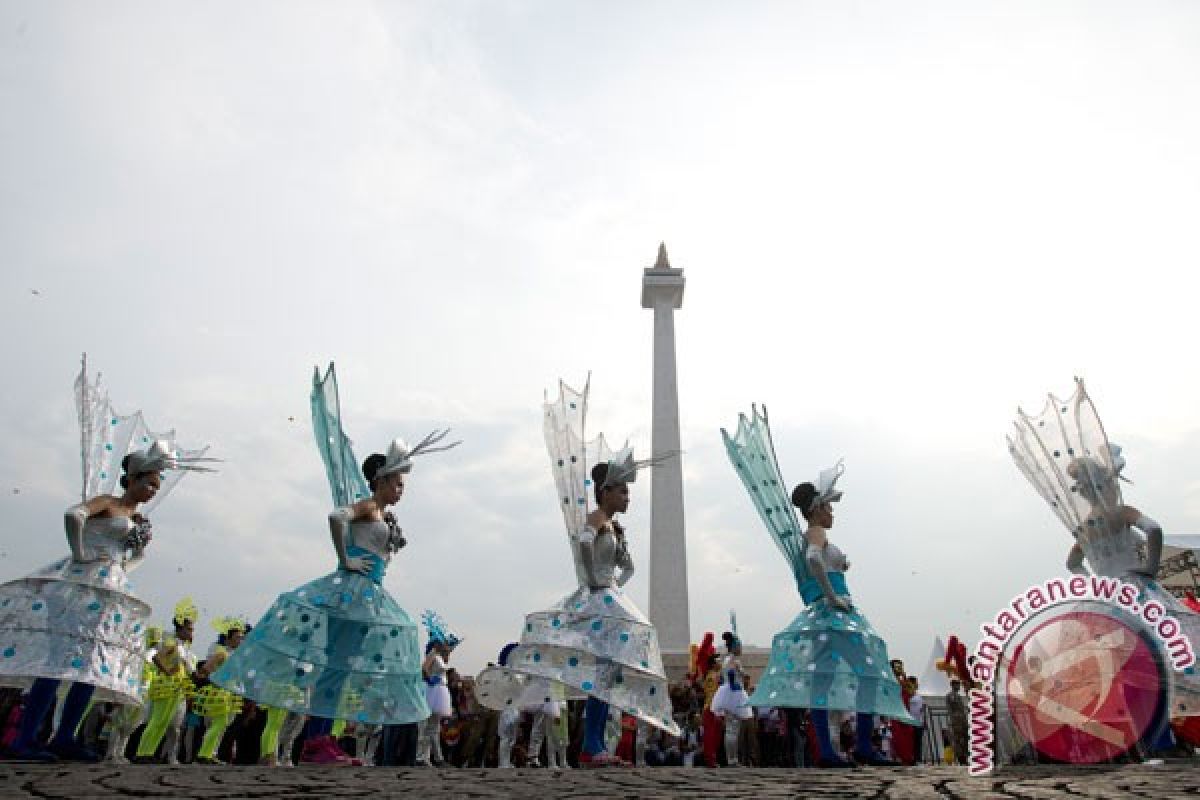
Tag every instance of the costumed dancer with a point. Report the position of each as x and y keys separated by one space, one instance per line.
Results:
x=279 y=736
x=901 y=733
x=829 y=658
x=708 y=670
x=509 y=719
x=126 y=718
x=77 y=619
x=595 y=640
x=342 y=640
x=172 y=683
x=554 y=721
x=731 y=703
x=442 y=642
x=512 y=693
x=218 y=706
x=549 y=727
x=1066 y=455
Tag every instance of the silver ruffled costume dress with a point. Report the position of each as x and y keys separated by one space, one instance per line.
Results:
x=81 y=622
x=78 y=622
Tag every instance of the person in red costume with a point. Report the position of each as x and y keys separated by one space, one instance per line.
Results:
x=902 y=733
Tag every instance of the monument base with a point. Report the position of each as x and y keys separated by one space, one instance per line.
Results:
x=676 y=664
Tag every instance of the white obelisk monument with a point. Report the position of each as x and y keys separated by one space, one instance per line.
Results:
x=662 y=291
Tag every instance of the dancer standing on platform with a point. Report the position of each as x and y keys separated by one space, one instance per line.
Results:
x=442 y=642
x=77 y=620
x=341 y=647
x=731 y=703
x=1066 y=455
x=829 y=657
x=595 y=639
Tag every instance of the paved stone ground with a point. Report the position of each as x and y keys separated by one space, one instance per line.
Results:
x=1179 y=779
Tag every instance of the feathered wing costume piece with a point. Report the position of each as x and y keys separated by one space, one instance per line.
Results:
x=1065 y=453
x=439 y=632
x=595 y=641
x=826 y=658
x=338 y=647
x=81 y=622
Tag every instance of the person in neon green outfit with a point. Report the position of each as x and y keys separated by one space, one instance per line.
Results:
x=218 y=706
x=279 y=737
x=170 y=686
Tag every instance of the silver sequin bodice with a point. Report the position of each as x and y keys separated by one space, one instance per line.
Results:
x=104 y=537
x=608 y=554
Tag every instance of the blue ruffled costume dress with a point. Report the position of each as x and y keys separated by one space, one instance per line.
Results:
x=826 y=659
x=830 y=659
x=339 y=647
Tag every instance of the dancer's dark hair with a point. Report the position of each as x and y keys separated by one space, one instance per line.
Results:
x=371 y=466
x=802 y=497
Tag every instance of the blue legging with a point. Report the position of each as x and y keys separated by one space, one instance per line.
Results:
x=862 y=743
x=595 y=720
x=37 y=705
x=345 y=641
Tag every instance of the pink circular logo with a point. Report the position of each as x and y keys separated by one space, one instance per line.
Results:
x=1083 y=686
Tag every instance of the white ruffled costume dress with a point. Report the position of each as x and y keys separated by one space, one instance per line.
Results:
x=594 y=641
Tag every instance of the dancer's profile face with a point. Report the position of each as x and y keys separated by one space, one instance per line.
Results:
x=822 y=515
x=143 y=488
x=234 y=637
x=616 y=498
x=390 y=488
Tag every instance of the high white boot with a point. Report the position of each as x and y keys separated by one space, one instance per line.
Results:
x=733 y=727
x=537 y=734
x=507 y=733
x=171 y=739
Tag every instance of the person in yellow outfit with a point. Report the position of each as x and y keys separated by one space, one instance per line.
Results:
x=218 y=706
x=172 y=683
x=713 y=728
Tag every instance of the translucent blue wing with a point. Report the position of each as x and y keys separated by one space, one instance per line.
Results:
x=752 y=453
x=346 y=481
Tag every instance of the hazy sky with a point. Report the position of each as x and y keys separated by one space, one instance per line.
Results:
x=898 y=221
